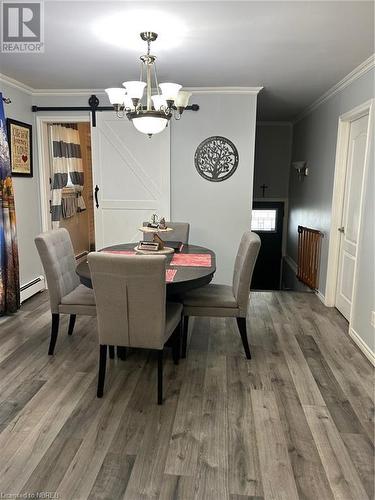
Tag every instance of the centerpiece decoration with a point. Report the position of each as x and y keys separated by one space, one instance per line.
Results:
x=157 y=244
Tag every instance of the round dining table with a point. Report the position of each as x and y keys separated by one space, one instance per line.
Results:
x=186 y=277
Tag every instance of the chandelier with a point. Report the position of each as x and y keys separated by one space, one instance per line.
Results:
x=167 y=101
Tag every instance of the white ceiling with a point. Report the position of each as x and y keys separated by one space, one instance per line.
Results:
x=296 y=50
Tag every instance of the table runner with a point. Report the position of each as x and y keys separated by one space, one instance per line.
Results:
x=191 y=259
x=170 y=274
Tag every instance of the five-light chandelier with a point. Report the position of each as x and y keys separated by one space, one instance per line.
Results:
x=167 y=101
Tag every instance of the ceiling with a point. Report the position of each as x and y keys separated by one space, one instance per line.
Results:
x=296 y=50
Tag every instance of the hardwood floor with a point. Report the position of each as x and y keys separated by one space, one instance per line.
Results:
x=295 y=422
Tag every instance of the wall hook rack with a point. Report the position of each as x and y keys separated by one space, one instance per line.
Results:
x=93 y=107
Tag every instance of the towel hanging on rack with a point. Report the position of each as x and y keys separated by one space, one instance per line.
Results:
x=69 y=206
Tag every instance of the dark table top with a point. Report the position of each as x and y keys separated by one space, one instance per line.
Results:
x=186 y=278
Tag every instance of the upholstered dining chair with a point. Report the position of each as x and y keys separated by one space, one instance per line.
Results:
x=66 y=294
x=180 y=232
x=130 y=296
x=219 y=301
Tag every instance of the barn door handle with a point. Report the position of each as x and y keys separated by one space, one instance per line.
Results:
x=96 y=196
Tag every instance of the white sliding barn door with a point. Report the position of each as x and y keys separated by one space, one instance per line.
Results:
x=132 y=172
x=355 y=162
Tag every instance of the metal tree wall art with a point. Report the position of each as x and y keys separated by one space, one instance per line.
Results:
x=216 y=159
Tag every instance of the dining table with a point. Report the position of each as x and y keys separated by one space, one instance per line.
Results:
x=190 y=267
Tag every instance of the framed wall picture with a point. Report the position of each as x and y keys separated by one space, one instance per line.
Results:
x=20 y=148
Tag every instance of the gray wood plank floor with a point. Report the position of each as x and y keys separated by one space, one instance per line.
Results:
x=295 y=422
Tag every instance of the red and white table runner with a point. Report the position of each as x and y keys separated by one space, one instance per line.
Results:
x=191 y=259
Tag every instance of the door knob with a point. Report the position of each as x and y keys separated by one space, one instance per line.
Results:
x=342 y=229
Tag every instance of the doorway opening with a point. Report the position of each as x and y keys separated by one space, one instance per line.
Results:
x=267 y=221
x=67 y=180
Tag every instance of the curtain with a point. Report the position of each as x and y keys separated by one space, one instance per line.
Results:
x=9 y=268
x=66 y=166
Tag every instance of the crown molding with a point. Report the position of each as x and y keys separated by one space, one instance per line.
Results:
x=67 y=92
x=357 y=72
x=16 y=84
x=194 y=90
x=83 y=92
x=224 y=90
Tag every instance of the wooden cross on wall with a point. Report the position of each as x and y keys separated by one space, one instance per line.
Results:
x=263 y=187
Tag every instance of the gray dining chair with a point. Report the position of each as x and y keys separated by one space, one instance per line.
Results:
x=180 y=232
x=219 y=301
x=66 y=294
x=132 y=311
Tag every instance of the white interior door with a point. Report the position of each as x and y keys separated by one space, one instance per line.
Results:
x=132 y=173
x=355 y=162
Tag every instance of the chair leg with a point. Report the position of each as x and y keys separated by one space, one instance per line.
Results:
x=176 y=345
x=241 y=322
x=184 y=336
x=72 y=322
x=111 y=352
x=121 y=353
x=102 y=365
x=160 y=377
x=54 y=332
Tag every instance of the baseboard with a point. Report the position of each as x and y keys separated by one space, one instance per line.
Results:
x=320 y=296
x=32 y=287
x=289 y=280
x=291 y=263
x=370 y=355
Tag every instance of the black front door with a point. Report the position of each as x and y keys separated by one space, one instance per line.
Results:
x=267 y=221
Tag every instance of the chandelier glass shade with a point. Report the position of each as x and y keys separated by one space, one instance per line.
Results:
x=150 y=124
x=134 y=89
x=163 y=101
x=170 y=90
x=159 y=102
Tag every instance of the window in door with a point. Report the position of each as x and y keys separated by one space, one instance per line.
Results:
x=263 y=220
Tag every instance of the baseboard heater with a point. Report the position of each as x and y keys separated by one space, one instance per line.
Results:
x=32 y=287
x=39 y=283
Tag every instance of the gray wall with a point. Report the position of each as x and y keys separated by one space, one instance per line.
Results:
x=26 y=190
x=218 y=212
x=273 y=147
x=314 y=140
